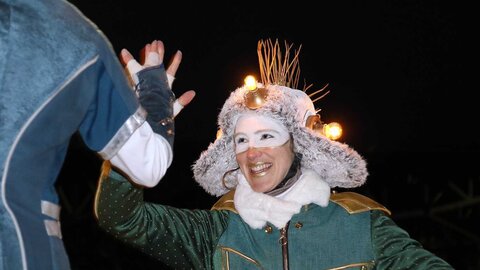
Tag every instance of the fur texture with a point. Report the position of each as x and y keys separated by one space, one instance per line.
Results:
x=336 y=163
x=256 y=209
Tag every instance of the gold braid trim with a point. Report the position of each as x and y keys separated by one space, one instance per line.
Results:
x=356 y=203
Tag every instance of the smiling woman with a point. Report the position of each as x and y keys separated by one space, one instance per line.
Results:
x=263 y=150
x=275 y=176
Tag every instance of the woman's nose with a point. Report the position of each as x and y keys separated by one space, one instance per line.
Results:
x=253 y=153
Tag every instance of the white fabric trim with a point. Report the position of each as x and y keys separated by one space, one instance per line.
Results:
x=51 y=209
x=256 y=209
x=145 y=157
x=53 y=228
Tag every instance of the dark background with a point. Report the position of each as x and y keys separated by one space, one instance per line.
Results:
x=400 y=76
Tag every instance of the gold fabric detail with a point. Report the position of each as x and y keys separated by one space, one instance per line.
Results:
x=356 y=203
x=226 y=258
x=226 y=202
x=361 y=266
x=106 y=167
x=350 y=201
x=298 y=225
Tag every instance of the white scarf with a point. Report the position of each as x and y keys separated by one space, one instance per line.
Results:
x=256 y=208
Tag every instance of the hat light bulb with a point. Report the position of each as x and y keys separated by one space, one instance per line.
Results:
x=254 y=97
x=250 y=82
x=332 y=130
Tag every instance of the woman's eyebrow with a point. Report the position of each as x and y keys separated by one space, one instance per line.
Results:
x=266 y=130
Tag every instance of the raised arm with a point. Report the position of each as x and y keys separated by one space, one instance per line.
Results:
x=148 y=153
x=180 y=238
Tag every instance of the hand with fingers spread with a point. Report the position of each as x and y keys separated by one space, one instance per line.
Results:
x=153 y=55
x=158 y=107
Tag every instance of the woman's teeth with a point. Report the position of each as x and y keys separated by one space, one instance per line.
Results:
x=260 y=168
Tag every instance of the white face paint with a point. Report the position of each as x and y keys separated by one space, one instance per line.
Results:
x=263 y=151
x=258 y=131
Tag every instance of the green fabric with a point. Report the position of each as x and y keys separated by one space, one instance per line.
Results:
x=180 y=238
x=200 y=239
x=394 y=249
x=348 y=238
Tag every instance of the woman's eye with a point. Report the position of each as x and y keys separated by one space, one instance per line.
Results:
x=241 y=140
x=266 y=136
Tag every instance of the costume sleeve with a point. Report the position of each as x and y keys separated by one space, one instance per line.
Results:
x=180 y=238
x=394 y=249
x=135 y=134
x=147 y=154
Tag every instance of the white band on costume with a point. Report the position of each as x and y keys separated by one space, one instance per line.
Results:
x=51 y=210
x=53 y=228
x=258 y=131
x=144 y=157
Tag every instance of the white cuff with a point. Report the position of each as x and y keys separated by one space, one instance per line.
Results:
x=145 y=156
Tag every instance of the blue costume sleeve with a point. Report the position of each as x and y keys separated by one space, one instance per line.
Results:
x=113 y=113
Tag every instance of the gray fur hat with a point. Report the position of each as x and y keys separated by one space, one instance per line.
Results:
x=336 y=163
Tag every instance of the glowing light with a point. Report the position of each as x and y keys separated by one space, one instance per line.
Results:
x=254 y=97
x=250 y=82
x=219 y=134
x=333 y=130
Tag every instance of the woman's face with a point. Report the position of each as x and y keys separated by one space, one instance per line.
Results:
x=263 y=150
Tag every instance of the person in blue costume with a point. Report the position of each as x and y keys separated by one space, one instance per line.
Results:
x=59 y=75
x=276 y=171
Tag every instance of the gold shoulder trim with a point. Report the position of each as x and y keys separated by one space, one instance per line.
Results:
x=356 y=203
x=226 y=202
x=105 y=171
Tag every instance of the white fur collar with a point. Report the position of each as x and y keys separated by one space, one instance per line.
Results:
x=256 y=209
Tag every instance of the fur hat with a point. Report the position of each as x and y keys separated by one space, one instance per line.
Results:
x=336 y=163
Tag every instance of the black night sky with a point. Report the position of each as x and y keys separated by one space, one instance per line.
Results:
x=400 y=81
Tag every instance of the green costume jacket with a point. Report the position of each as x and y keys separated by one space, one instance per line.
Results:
x=352 y=232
